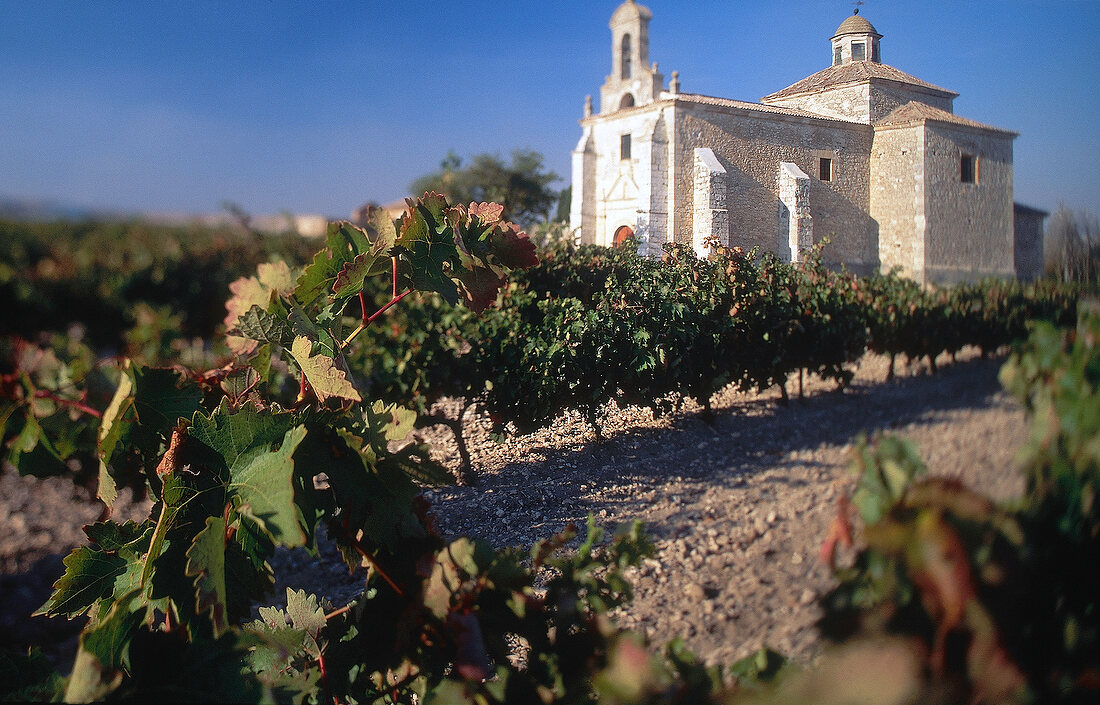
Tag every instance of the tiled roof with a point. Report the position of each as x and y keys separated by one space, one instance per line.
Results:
x=915 y=111
x=758 y=107
x=853 y=72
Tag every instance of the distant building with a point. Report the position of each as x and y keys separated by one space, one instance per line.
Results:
x=860 y=153
x=394 y=209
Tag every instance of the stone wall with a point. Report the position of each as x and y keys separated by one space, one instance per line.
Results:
x=1028 y=238
x=898 y=198
x=969 y=224
x=868 y=101
x=582 y=206
x=710 y=217
x=851 y=102
x=887 y=95
x=795 y=218
x=750 y=144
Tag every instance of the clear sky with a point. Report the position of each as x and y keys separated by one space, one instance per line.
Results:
x=320 y=106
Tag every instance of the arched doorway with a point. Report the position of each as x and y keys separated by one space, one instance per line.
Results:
x=622 y=234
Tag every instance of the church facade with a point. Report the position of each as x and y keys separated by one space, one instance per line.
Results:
x=860 y=153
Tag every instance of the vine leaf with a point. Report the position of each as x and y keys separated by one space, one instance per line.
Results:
x=89 y=576
x=479 y=287
x=389 y=422
x=349 y=280
x=104 y=651
x=272 y=279
x=344 y=243
x=513 y=248
x=264 y=484
x=305 y=613
x=116 y=418
x=322 y=374
x=232 y=434
x=258 y=325
x=427 y=245
x=206 y=563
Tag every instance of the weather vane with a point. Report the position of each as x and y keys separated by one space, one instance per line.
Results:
x=858 y=4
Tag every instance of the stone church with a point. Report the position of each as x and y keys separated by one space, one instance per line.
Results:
x=861 y=153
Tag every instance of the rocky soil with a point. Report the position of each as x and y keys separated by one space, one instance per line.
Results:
x=737 y=508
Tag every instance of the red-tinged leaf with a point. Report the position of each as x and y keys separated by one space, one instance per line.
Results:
x=349 y=280
x=513 y=248
x=487 y=213
x=479 y=287
x=471 y=657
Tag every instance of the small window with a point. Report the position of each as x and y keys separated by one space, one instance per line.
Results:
x=825 y=169
x=624 y=147
x=627 y=101
x=874 y=53
x=859 y=51
x=627 y=69
x=968 y=169
x=836 y=55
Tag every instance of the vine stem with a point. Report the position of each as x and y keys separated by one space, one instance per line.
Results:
x=370 y=559
x=337 y=612
x=79 y=406
x=367 y=321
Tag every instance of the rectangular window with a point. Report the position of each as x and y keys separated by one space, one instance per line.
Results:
x=874 y=53
x=859 y=51
x=968 y=169
x=825 y=169
x=624 y=147
x=836 y=55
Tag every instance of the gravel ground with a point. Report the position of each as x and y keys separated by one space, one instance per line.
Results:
x=737 y=508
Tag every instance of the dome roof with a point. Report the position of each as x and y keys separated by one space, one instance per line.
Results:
x=855 y=25
x=630 y=11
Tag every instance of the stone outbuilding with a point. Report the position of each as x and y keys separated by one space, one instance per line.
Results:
x=861 y=153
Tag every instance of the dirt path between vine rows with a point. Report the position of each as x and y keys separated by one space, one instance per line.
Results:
x=737 y=508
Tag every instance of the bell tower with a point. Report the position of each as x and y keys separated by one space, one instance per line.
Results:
x=855 y=40
x=633 y=81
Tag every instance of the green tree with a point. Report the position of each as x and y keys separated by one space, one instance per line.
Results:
x=523 y=184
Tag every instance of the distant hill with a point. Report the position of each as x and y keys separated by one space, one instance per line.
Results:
x=42 y=210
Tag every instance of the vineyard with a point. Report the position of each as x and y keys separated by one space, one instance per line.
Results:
x=293 y=417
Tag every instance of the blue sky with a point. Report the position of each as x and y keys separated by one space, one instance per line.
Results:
x=320 y=106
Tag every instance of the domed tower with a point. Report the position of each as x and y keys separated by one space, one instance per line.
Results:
x=632 y=81
x=855 y=40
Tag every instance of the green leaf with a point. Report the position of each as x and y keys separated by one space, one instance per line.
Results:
x=112 y=537
x=273 y=280
x=322 y=374
x=389 y=422
x=427 y=253
x=206 y=563
x=349 y=280
x=233 y=433
x=304 y=612
x=259 y=325
x=344 y=241
x=89 y=576
x=264 y=484
x=33 y=454
x=162 y=397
